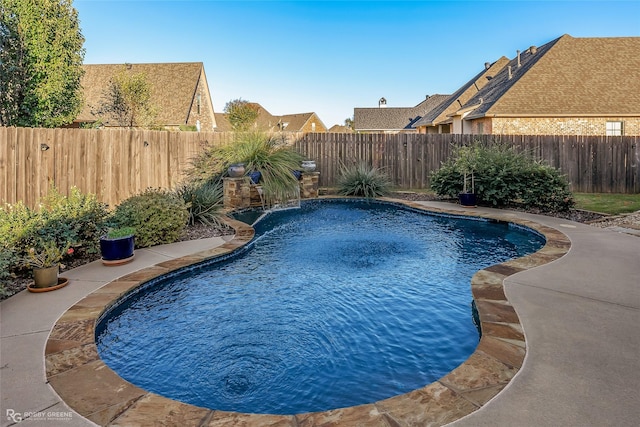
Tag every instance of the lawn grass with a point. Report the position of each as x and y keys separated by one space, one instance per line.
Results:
x=612 y=204
x=607 y=203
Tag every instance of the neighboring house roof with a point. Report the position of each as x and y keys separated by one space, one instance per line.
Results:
x=173 y=88
x=566 y=77
x=440 y=114
x=340 y=129
x=296 y=122
x=394 y=118
x=222 y=123
x=268 y=122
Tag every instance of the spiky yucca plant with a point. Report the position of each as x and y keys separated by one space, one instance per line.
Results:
x=363 y=180
x=204 y=201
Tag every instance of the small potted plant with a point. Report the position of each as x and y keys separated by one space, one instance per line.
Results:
x=44 y=260
x=117 y=245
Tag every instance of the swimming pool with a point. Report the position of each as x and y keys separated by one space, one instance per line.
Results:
x=362 y=300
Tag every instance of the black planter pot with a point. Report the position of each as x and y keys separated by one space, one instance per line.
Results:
x=117 y=251
x=467 y=199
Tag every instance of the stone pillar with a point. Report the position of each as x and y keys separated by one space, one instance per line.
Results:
x=309 y=185
x=236 y=193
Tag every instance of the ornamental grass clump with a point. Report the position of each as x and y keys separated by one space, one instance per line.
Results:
x=204 y=201
x=363 y=180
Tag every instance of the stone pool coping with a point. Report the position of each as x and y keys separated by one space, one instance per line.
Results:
x=88 y=386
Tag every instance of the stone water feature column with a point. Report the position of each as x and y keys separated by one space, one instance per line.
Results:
x=309 y=185
x=237 y=193
x=240 y=194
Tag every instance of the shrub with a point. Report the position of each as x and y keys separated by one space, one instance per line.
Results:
x=504 y=176
x=77 y=220
x=363 y=180
x=19 y=227
x=547 y=190
x=8 y=259
x=204 y=201
x=157 y=215
x=80 y=216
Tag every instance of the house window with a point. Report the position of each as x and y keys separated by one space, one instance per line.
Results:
x=480 y=128
x=198 y=103
x=614 y=129
x=313 y=127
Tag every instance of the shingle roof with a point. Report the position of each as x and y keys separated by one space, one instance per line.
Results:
x=222 y=123
x=297 y=121
x=339 y=129
x=394 y=118
x=268 y=122
x=566 y=77
x=173 y=87
x=441 y=113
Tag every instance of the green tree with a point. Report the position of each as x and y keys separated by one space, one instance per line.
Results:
x=127 y=101
x=241 y=114
x=41 y=55
x=348 y=123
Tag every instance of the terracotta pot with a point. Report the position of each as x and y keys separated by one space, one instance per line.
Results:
x=61 y=283
x=46 y=277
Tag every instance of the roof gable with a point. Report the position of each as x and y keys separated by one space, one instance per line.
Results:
x=173 y=87
x=294 y=122
x=462 y=95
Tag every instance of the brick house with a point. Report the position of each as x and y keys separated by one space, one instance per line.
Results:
x=178 y=90
x=569 y=86
x=301 y=122
x=393 y=119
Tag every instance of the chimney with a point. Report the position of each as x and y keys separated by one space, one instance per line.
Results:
x=518 y=54
x=487 y=65
x=533 y=50
x=510 y=75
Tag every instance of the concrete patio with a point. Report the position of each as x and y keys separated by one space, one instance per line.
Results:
x=579 y=313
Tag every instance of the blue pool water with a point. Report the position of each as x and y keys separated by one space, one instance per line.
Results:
x=336 y=304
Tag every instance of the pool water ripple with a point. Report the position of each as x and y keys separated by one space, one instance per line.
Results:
x=337 y=304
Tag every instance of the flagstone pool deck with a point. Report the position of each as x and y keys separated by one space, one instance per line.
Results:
x=560 y=345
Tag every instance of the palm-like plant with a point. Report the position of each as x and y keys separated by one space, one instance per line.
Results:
x=274 y=159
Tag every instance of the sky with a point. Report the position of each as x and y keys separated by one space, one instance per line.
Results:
x=330 y=57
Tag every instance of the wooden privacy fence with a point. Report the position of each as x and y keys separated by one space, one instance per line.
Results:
x=591 y=164
x=115 y=164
